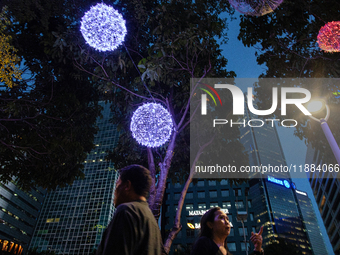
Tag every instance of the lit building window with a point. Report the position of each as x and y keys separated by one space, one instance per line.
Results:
x=232 y=246
x=226 y=205
x=202 y=206
x=240 y=231
x=50 y=220
x=237 y=192
x=251 y=215
x=177 y=185
x=239 y=205
x=189 y=195
x=201 y=194
x=200 y=183
x=213 y=205
x=177 y=195
x=189 y=207
x=225 y=193
x=243 y=246
x=224 y=182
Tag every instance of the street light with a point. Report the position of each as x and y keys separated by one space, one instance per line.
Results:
x=316 y=106
x=242 y=216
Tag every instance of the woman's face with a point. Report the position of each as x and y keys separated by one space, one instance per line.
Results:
x=221 y=225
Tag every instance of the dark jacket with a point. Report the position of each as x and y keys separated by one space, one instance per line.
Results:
x=206 y=246
x=132 y=231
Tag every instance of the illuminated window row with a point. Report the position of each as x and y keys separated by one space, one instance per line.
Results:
x=16 y=217
x=17 y=207
x=15 y=228
x=52 y=220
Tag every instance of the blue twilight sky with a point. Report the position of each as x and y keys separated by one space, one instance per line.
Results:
x=242 y=60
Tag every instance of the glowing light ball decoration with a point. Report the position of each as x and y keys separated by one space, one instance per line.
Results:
x=329 y=37
x=255 y=7
x=103 y=27
x=151 y=125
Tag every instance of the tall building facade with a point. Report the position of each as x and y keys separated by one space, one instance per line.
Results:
x=72 y=219
x=19 y=211
x=311 y=223
x=201 y=196
x=276 y=208
x=273 y=194
x=326 y=190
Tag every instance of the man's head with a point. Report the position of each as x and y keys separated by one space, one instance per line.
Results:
x=133 y=183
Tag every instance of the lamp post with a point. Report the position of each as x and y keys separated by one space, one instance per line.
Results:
x=318 y=105
x=242 y=216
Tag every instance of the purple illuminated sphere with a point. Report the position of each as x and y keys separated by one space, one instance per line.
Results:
x=103 y=27
x=151 y=125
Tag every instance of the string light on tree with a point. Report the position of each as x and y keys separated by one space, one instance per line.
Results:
x=329 y=37
x=255 y=7
x=103 y=27
x=151 y=125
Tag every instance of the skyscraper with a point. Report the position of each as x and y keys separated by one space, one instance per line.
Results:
x=311 y=223
x=276 y=208
x=19 y=211
x=72 y=219
x=326 y=189
x=274 y=202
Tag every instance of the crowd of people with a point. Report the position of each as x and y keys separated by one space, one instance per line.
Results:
x=134 y=230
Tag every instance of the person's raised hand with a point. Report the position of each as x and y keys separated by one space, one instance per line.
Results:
x=256 y=239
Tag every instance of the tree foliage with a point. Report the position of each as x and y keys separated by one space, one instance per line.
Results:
x=47 y=120
x=286 y=42
x=9 y=69
x=167 y=44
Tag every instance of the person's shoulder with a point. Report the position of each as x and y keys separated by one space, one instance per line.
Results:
x=204 y=245
x=204 y=241
x=135 y=207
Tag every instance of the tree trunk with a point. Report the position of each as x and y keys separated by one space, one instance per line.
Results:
x=153 y=175
x=177 y=224
x=164 y=169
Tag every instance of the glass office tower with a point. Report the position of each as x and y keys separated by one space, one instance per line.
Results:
x=326 y=190
x=274 y=202
x=19 y=211
x=72 y=219
x=311 y=223
x=276 y=208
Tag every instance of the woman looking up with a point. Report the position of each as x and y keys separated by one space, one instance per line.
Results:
x=215 y=228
